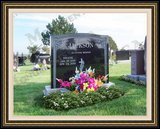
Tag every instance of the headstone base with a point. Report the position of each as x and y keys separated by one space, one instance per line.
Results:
x=48 y=90
x=108 y=84
x=142 y=78
x=137 y=77
x=134 y=77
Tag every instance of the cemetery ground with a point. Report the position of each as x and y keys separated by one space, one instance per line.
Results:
x=28 y=87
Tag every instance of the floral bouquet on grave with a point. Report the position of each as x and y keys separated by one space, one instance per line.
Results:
x=83 y=81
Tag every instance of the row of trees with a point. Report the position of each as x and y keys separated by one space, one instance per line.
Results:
x=33 y=49
x=60 y=26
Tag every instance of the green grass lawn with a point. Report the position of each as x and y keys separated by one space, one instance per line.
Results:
x=28 y=87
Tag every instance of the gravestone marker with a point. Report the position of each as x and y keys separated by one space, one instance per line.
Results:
x=39 y=61
x=145 y=54
x=45 y=57
x=16 y=63
x=137 y=62
x=44 y=64
x=122 y=55
x=22 y=59
x=77 y=50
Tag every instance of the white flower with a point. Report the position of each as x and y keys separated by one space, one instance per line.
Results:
x=55 y=104
x=66 y=105
x=103 y=97
x=89 y=69
x=57 y=79
x=93 y=70
x=73 y=81
x=71 y=78
x=77 y=71
x=82 y=101
x=106 y=75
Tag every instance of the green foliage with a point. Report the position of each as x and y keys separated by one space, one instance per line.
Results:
x=46 y=49
x=72 y=87
x=112 y=44
x=61 y=101
x=70 y=100
x=40 y=65
x=33 y=49
x=89 y=98
x=125 y=78
x=58 y=26
x=111 y=93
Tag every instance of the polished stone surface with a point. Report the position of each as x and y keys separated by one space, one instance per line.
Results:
x=79 y=50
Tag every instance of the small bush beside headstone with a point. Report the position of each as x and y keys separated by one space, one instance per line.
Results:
x=71 y=100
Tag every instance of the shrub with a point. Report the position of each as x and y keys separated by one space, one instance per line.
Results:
x=61 y=101
x=70 y=100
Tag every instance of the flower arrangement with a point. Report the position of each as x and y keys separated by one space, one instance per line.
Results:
x=83 y=81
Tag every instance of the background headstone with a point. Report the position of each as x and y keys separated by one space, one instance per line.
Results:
x=34 y=57
x=137 y=62
x=39 y=61
x=44 y=56
x=44 y=64
x=122 y=55
x=145 y=54
x=16 y=63
x=21 y=59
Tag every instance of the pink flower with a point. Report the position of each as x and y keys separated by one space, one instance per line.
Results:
x=59 y=80
x=92 y=84
x=80 y=81
x=84 y=76
x=66 y=84
x=95 y=87
x=91 y=80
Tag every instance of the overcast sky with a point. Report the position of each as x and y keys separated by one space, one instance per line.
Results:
x=122 y=27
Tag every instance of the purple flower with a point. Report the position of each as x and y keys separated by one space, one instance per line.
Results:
x=84 y=76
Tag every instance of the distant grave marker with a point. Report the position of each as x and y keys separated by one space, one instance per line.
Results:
x=122 y=55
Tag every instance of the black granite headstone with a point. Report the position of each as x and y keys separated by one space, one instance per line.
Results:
x=69 y=51
x=122 y=55
x=22 y=59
